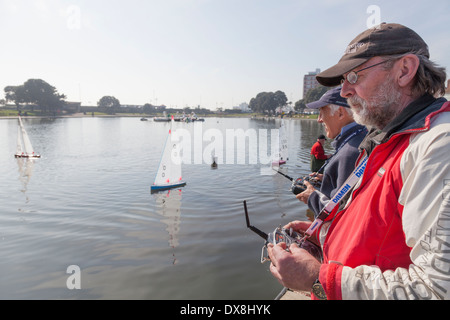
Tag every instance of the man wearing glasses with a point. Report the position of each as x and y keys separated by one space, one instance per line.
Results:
x=389 y=238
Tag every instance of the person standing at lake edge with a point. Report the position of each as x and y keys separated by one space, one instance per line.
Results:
x=337 y=117
x=318 y=156
x=391 y=239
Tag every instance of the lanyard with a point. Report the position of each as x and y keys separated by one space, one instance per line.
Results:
x=346 y=187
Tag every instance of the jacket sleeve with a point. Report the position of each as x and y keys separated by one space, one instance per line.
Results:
x=426 y=223
x=318 y=151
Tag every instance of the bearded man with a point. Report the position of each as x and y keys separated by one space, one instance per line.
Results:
x=390 y=236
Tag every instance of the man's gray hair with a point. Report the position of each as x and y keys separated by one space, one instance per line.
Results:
x=335 y=107
x=430 y=78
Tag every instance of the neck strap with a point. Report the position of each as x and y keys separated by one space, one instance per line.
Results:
x=339 y=195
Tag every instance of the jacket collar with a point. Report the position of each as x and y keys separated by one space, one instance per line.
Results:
x=346 y=131
x=411 y=118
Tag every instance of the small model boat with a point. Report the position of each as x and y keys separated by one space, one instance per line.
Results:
x=168 y=175
x=24 y=147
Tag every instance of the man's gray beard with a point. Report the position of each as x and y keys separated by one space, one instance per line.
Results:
x=380 y=109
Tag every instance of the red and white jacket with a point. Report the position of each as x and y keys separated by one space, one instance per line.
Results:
x=392 y=238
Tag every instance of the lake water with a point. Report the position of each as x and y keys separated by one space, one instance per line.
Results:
x=87 y=203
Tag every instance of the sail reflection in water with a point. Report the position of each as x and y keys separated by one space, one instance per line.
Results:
x=25 y=166
x=168 y=206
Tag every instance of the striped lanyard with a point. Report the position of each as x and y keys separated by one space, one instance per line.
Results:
x=346 y=187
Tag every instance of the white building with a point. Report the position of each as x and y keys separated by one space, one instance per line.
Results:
x=243 y=107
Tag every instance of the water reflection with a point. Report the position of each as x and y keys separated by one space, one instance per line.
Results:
x=91 y=207
x=25 y=171
x=310 y=131
x=168 y=204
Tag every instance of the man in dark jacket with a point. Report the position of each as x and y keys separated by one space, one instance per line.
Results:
x=337 y=117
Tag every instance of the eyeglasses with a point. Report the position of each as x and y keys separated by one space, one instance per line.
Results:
x=352 y=76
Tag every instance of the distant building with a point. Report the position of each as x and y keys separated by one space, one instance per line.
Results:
x=285 y=109
x=72 y=107
x=310 y=82
x=131 y=106
x=243 y=107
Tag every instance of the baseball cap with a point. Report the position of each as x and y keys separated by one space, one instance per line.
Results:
x=321 y=137
x=332 y=96
x=382 y=40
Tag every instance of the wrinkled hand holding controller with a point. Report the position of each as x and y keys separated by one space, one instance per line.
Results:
x=287 y=236
x=298 y=185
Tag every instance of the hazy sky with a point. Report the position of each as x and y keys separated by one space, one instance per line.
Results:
x=212 y=53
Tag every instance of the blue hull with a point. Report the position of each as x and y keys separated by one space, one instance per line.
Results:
x=166 y=187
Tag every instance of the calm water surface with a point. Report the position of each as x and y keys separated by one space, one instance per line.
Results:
x=87 y=203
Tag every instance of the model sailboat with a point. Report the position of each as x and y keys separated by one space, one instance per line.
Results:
x=24 y=147
x=282 y=156
x=168 y=175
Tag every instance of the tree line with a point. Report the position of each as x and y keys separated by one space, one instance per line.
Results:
x=268 y=102
x=37 y=93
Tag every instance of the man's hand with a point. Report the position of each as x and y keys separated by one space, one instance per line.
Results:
x=316 y=176
x=304 y=196
x=298 y=226
x=296 y=269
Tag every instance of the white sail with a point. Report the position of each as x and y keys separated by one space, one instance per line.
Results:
x=24 y=146
x=26 y=140
x=169 y=169
x=19 y=150
x=282 y=155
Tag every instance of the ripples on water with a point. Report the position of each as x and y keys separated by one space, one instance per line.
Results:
x=86 y=202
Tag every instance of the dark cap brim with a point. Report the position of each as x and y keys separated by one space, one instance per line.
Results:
x=317 y=104
x=333 y=76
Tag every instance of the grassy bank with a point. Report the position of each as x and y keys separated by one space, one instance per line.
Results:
x=14 y=113
x=11 y=113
